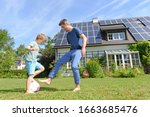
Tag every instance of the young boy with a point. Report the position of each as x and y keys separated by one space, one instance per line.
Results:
x=31 y=60
x=74 y=55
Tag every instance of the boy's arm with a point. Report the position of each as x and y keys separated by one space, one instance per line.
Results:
x=30 y=48
x=84 y=42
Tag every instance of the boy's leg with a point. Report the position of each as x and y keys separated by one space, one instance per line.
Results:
x=28 y=83
x=76 y=56
x=40 y=68
x=64 y=59
x=31 y=69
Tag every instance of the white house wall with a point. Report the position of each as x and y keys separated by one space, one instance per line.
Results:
x=96 y=48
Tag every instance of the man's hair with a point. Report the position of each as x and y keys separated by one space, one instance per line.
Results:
x=41 y=36
x=63 y=22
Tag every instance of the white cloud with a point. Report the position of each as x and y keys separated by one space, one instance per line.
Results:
x=142 y=3
x=13 y=6
x=53 y=21
x=108 y=6
x=45 y=20
x=120 y=4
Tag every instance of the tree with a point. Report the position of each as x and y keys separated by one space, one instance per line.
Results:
x=21 y=51
x=7 y=54
x=144 y=50
x=5 y=39
x=7 y=59
x=47 y=56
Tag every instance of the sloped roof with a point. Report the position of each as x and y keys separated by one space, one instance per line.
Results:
x=138 y=27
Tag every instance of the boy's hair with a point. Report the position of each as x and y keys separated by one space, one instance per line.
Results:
x=41 y=36
x=63 y=22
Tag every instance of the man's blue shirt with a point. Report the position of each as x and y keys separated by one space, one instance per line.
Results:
x=74 y=39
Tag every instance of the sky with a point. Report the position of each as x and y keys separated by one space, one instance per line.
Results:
x=24 y=19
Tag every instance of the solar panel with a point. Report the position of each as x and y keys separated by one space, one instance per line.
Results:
x=84 y=29
x=124 y=20
x=132 y=30
x=147 y=23
x=137 y=29
x=90 y=28
x=128 y=25
x=119 y=21
x=93 y=32
x=146 y=36
x=138 y=37
x=91 y=40
x=147 y=18
x=57 y=43
x=113 y=21
x=140 y=30
x=146 y=29
x=102 y=22
x=142 y=19
x=108 y=22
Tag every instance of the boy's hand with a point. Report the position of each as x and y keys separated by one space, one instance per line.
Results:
x=34 y=49
x=83 y=51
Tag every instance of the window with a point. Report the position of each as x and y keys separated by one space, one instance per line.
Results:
x=68 y=65
x=127 y=60
x=135 y=59
x=116 y=36
x=119 y=60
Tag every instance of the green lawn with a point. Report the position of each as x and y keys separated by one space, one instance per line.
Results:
x=92 y=89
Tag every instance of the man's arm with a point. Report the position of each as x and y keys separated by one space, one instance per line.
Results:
x=84 y=42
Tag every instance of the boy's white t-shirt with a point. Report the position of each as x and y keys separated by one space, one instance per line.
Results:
x=32 y=55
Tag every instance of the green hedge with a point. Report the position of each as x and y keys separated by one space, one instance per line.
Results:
x=94 y=69
x=128 y=72
x=19 y=74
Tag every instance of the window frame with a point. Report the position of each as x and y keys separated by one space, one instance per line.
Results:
x=116 y=34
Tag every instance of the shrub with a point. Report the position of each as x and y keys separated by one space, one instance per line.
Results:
x=81 y=69
x=144 y=50
x=94 y=69
x=19 y=74
x=84 y=72
x=128 y=72
x=113 y=67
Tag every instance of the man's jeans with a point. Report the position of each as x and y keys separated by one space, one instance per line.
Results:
x=74 y=56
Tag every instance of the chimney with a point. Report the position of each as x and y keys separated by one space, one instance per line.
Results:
x=95 y=20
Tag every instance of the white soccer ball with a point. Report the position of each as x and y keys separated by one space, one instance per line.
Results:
x=34 y=86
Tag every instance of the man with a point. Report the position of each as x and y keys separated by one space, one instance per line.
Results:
x=77 y=50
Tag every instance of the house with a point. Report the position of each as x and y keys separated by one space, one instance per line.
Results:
x=109 y=38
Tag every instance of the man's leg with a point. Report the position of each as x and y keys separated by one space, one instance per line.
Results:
x=59 y=63
x=76 y=56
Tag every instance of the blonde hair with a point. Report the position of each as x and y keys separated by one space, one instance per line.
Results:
x=41 y=36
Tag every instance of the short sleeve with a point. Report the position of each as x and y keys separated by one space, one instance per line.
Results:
x=68 y=40
x=78 y=31
x=32 y=44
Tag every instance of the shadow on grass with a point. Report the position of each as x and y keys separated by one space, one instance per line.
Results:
x=12 y=90
x=53 y=89
x=22 y=90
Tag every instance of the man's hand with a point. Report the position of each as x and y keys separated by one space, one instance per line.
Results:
x=83 y=51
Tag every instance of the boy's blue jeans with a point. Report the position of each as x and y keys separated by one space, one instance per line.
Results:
x=74 y=56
